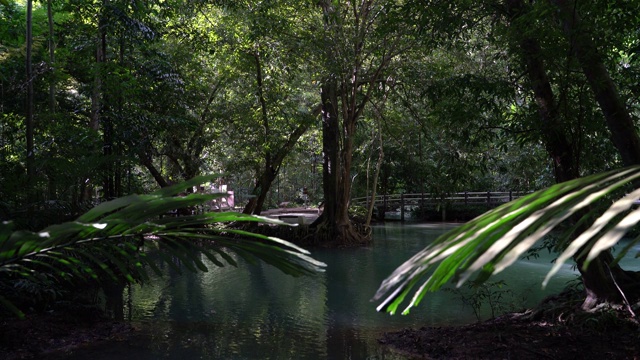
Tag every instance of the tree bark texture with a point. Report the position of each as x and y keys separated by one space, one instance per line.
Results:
x=556 y=139
x=376 y=176
x=334 y=225
x=146 y=161
x=345 y=92
x=623 y=132
x=330 y=146
x=602 y=281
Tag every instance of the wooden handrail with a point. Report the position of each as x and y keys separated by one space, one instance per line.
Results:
x=488 y=198
x=468 y=197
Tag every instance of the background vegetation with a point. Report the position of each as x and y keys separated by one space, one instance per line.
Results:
x=103 y=99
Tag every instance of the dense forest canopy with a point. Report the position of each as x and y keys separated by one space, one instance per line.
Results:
x=131 y=96
x=101 y=99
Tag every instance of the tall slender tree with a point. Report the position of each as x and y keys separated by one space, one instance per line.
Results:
x=557 y=140
x=623 y=131
x=360 y=43
x=29 y=115
x=603 y=280
x=52 y=57
x=273 y=158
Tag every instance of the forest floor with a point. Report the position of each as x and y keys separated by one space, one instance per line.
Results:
x=516 y=337
x=52 y=334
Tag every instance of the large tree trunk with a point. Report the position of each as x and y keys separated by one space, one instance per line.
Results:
x=346 y=233
x=345 y=94
x=330 y=146
x=334 y=227
x=602 y=282
x=327 y=223
x=619 y=121
x=556 y=139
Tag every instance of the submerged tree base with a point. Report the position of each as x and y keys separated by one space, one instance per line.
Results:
x=352 y=234
x=557 y=329
x=319 y=235
x=300 y=235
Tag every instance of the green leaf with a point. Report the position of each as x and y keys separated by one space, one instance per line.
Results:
x=9 y=305
x=495 y=240
x=6 y=228
x=106 y=208
x=108 y=240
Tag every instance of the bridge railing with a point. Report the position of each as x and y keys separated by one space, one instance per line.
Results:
x=402 y=201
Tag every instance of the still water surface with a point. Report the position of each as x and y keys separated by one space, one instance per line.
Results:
x=256 y=312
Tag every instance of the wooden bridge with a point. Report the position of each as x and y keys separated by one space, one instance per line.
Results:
x=404 y=202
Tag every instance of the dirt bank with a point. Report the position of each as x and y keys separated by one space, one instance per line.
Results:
x=516 y=336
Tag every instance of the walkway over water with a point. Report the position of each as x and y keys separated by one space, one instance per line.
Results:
x=404 y=202
x=297 y=215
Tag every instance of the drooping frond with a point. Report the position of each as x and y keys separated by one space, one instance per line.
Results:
x=496 y=239
x=110 y=240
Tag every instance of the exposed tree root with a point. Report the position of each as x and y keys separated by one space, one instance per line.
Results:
x=556 y=329
x=567 y=308
x=321 y=234
x=300 y=235
x=352 y=234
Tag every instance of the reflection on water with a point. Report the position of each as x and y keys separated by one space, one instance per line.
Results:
x=256 y=312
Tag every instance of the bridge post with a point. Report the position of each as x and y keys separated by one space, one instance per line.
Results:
x=466 y=198
x=402 y=207
x=384 y=206
x=510 y=195
x=489 y=198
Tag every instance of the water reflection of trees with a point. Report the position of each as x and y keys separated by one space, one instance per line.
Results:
x=235 y=312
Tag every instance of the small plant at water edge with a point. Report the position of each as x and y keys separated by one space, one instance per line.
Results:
x=494 y=294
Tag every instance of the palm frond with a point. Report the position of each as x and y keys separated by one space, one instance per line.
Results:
x=109 y=241
x=495 y=240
